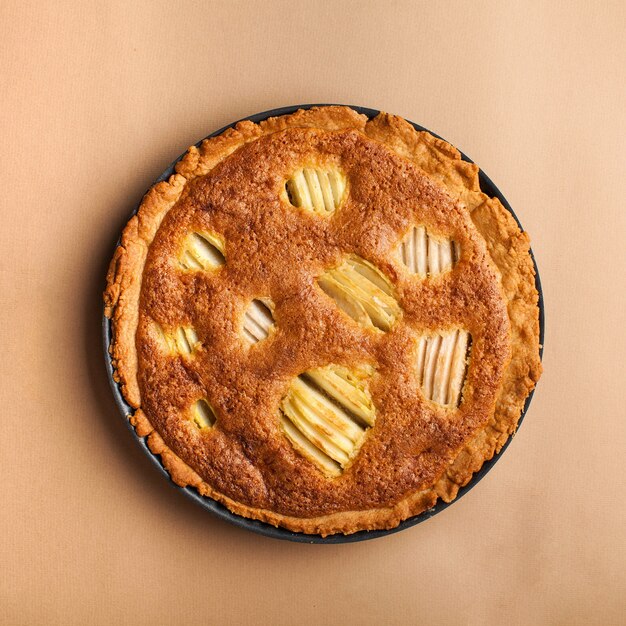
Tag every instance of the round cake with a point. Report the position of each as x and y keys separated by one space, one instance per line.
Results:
x=321 y=321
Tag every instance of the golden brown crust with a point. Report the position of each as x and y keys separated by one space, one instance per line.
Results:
x=509 y=248
x=441 y=464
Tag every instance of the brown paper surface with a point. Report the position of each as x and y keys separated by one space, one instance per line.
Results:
x=98 y=98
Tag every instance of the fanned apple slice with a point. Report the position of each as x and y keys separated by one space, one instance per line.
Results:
x=344 y=300
x=458 y=368
x=346 y=388
x=441 y=364
x=337 y=182
x=182 y=341
x=202 y=414
x=309 y=450
x=202 y=251
x=432 y=352
x=312 y=401
x=326 y=413
x=421 y=251
x=328 y=199
x=421 y=358
x=327 y=441
x=377 y=305
x=258 y=320
x=363 y=292
x=408 y=250
x=445 y=256
x=185 y=340
x=369 y=271
x=433 y=257
x=426 y=255
x=315 y=189
x=442 y=368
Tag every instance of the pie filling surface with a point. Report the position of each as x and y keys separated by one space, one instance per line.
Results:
x=322 y=322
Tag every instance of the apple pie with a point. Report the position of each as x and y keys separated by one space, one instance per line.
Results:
x=322 y=322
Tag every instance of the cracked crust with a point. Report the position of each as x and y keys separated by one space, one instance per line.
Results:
x=510 y=354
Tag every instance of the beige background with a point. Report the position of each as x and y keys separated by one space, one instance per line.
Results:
x=97 y=99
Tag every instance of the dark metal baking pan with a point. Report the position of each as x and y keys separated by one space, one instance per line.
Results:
x=268 y=530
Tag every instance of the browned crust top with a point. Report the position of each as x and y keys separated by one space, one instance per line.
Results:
x=397 y=177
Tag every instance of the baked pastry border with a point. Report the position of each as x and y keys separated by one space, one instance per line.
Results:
x=509 y=249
